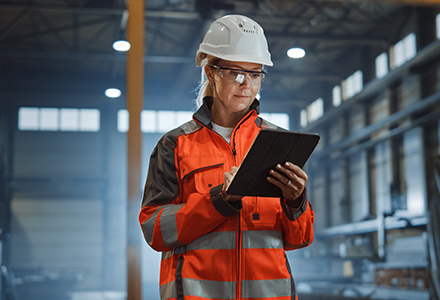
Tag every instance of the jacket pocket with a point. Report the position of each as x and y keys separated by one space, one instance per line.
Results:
x=200 y=174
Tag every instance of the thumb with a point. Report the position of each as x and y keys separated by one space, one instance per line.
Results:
x=234 y=171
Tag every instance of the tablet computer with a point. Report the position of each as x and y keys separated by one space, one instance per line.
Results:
x=270 y=147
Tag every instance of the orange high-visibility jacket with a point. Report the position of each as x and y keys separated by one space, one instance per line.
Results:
x=213 y=249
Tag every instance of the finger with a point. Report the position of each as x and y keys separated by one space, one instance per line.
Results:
x=287 y=174
x=292 y=170
x=276 y=182
x=281 y=177
x=291 y=191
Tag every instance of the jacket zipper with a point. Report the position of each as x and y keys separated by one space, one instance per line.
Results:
x=232 y=145
x=239 y=252
x=240 y=236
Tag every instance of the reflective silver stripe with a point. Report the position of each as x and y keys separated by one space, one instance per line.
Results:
x=167 y=254
x=214 y=240
x=168 y=290
x=209 y=289
x=201 y=288
x=168 y=225
x=266 y=288
x=177 y=250
x=210 y=241
x=262 y=239
x=148 y=226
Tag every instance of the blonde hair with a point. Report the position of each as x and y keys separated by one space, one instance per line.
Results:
x=205 y=88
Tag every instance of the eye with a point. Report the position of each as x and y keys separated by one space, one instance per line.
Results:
x=235 y=73
x=256 y=75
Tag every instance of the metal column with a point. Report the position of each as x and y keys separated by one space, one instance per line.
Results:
x=135 y=99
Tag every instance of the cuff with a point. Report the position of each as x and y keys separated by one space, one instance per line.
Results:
x=294 y=213
x=225 y=208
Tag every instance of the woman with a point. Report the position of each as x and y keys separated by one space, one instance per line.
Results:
x=215 y=245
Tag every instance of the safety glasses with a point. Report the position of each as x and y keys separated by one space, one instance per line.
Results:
x=239 y=76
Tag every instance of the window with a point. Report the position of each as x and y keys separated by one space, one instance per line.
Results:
x=123 y=120
x=352 y=85
x=382 y=65
x=48 y=120
x=69 y=119
x=148 y=121
x=303 y=118
x=153 y=121
x=279 y=119
x=183 y=116
x=403 y=51
x=437 y=22
x=410 y=46
x=28 y=118
x=58 y=119
x=315 y=110
x=166 y=120
x=337 y=96
x=89 y=120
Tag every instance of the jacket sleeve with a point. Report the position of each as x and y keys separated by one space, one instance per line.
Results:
x=166 y=218
x=298 y=224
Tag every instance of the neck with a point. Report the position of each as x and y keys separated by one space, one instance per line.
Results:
x=226 y=119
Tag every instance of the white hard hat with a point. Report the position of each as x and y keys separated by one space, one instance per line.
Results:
x=235 y=38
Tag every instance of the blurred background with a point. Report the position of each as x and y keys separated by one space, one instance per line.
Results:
x=365 y=75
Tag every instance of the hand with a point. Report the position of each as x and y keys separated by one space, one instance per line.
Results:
x=228 y=179
x=290 y=178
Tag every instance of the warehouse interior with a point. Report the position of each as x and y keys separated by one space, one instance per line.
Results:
x=369 y=85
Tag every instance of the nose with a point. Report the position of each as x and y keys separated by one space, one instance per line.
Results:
x=246 y=81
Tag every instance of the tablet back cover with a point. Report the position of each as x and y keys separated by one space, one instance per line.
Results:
x=271 y=147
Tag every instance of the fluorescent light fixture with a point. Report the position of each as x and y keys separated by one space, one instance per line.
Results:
x=121 y=45
x=113 y=93
x=296 y=52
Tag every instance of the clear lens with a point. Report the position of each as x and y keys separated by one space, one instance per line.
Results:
x=239 y=76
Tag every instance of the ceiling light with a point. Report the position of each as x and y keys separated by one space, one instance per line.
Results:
x=121 y=45
x=113 y=93
x=296 y=53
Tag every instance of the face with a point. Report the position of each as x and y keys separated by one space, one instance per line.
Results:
x=232 y=96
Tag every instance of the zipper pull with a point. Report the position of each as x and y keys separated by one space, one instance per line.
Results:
x=234 y=152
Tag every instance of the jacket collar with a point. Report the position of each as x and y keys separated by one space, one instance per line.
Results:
x=203 y=114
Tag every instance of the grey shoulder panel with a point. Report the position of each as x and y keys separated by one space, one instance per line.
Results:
x=264 y=124
x=162 y=184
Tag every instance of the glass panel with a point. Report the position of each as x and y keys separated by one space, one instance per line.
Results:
x=49 y=119
x=148 y=121
x=166 y=120
x=123 y=120
x=28 y=118
x=410 y=46
x=337 y=96
x=69 y=119
x=382 y=65
x=89 y=120
x=183 y=117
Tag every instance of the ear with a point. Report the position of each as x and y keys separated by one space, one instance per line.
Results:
x=209 y=74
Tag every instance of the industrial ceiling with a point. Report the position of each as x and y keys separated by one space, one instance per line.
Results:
x=65 y=46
